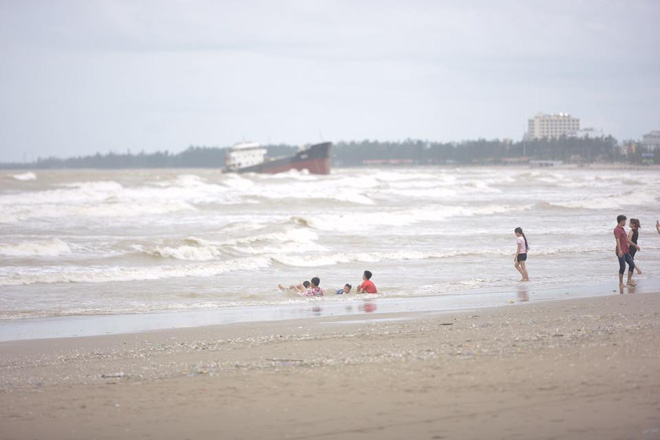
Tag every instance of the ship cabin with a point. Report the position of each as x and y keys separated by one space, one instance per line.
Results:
x=244 y=155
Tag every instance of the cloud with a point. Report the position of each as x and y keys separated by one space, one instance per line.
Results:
x=80 y=77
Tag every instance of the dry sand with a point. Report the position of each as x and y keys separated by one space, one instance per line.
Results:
x=587 y=369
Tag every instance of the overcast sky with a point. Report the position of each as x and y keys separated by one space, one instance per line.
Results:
x=80 y=77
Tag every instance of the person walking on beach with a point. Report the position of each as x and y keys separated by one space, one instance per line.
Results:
x=367 y=286
x=520 y=257
x=633 y=235
x=623 y=251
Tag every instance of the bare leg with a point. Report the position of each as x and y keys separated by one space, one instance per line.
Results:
x=524 y=271
x=639 y=271
x=519 y=269
x=630 y=275
x=621 y=285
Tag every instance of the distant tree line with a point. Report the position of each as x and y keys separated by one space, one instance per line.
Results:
x=483 y=151
x=367 y=152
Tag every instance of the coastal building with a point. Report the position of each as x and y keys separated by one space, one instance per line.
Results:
x=552 y=125
x=590 y=132
x=652 y=140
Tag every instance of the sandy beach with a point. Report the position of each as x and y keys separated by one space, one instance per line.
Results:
x=585 y=368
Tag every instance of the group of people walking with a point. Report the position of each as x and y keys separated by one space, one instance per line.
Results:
x=627 y=247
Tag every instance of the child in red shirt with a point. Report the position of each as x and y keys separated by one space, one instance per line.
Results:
x=367 y=286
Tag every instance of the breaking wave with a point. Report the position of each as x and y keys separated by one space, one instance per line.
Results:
x=24 y=176
x=41 y=248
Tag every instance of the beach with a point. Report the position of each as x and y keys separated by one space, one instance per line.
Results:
x=580 y=368
x=144 y=304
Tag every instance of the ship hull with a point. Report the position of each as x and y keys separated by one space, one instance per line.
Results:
x=315 y=159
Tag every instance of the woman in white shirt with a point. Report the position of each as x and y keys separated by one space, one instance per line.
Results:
x=520 y=256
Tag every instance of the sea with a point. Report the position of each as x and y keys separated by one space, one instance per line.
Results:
x=90 y=246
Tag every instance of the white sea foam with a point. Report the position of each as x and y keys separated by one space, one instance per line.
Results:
x=24 y=176
x=358 y=221
x=186 y=253
x=610 y=202
x=104 y=274
x=39 y=248
x=289 y=241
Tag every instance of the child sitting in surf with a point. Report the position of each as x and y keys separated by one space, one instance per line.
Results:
x=300 y=288
x=346 y=289
x=367 y=286
x=314 y=290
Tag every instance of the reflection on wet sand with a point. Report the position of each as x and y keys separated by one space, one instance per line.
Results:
x=523 y=293
x=368 y=306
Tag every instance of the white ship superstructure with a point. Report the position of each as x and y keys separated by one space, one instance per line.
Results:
x=244 y=155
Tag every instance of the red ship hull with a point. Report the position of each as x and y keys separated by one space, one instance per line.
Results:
x=315 y=159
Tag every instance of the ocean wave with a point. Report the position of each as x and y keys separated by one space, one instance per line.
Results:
x=609 y=202
x=360 y=221
x=24 y=176
x=105 y=274
x=311 y=193
x=41 y=248
x=186 y=253
x=97 y=187
x=295 y=240
x=319 y=260
x=243 y=226
x=80 y=200
x=289 y=241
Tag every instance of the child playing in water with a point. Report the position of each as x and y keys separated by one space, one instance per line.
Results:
x=520 y=256
x=367 y=286
x=345 y=289
x=314 y=290
x=299 y=288
x=633 y=235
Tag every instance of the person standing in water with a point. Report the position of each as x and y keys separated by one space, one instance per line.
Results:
x=633 y=235
x=623 y=251
x=520 y=257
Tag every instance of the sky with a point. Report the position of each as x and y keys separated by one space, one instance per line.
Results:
x=92 y=76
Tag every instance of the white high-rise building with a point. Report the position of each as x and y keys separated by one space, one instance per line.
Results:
x=552 y=125
x=652 y=140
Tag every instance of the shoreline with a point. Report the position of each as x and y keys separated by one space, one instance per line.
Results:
x=585 y=368
x=76 y=326
x=523 y=165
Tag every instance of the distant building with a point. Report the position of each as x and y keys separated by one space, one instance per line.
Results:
x=652 y=140
x=590 y=132
x=552 y=126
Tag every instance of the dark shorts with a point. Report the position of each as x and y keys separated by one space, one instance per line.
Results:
x=521 y=257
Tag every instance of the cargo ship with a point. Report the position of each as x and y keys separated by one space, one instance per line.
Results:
x=251 y=158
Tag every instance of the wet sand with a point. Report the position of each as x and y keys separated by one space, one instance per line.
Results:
x=583 y=368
